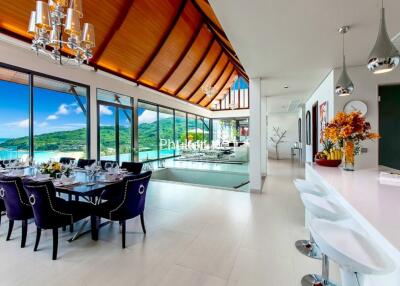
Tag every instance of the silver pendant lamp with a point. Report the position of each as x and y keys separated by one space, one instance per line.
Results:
x=384 y=57
x=344 y=85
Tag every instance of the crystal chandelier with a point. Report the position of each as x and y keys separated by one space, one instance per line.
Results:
x=57 y=20
x=208 y=90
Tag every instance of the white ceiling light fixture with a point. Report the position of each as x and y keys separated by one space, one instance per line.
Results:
x=57 y=20
x=208 y=90
x=344 y=85
x=384 y=57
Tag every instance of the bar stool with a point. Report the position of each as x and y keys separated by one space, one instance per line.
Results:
x=304 y=246
x=354 y=252
x=328 y=209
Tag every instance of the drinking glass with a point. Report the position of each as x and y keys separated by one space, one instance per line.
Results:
x=108 y=166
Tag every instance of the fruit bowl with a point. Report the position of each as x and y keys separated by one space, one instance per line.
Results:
x=328 y=163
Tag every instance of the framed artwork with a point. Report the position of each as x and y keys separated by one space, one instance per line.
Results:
x=323 y=115
x=308 y=128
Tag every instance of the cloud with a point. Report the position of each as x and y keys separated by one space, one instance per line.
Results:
x=20 y=124
x=78 y=110
x=52 y=117
x=43 y=124
x=105 y=110
x=148 y=117
x=62 y=109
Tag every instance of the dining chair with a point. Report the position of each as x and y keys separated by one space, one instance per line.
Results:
x=2 y=208
x=132 y=167
x=131 y=205
x=51 y=212
x=82 y=163
x=66 y=160
x=16 y=205
x=104 y=162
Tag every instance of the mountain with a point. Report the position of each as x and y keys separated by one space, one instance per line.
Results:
x=75 y=140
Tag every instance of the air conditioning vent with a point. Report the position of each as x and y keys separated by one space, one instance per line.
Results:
x=396 y=41
x=293 y=105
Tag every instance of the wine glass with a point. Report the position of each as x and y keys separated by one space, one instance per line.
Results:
x=108 y=166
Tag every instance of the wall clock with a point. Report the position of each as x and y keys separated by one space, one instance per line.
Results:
x=356 y=105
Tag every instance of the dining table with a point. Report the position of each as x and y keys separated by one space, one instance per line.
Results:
x=81 y=188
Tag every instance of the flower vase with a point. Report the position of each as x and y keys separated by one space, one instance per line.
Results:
x=349 y=150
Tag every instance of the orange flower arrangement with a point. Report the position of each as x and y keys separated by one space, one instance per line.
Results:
x=350 y=126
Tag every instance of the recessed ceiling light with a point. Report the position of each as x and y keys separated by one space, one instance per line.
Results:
x=285 y=86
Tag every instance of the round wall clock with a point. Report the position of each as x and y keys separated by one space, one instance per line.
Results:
x=356 y=105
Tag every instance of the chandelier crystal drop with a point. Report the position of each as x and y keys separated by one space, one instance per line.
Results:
x=54 y=21
x=344 y=85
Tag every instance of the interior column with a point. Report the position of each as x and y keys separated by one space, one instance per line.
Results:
x=255 y=135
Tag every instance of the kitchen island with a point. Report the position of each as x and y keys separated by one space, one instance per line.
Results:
x=374 y=207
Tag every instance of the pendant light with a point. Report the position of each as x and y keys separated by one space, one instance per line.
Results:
x=384 y=57
x=344 y=85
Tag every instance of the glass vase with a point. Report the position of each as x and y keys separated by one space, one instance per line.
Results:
x=349 y=155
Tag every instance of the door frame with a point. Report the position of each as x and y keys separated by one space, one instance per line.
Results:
x=314 y=140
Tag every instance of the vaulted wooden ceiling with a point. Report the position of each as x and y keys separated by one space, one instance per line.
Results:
x=173 y=46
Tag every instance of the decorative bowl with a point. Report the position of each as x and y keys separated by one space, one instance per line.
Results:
x=328 y=163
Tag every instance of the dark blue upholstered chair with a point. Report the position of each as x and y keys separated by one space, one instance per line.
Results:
x=132 y=167
x=82 y=163
x=51 y=212
x=103 y=163
x=66 y=160
x=16 y=204
x=2 y=208
x=130 y=205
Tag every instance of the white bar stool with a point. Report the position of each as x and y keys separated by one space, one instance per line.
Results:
x=353 y=252
x=308 y=247
x=323 y=208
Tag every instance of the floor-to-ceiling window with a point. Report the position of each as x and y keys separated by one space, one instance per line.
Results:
x=60 y=119
x=200 y=131
x=115 y=126
x=180 y=131
x=192 y=124
x=166 y=132
x=147 y=131
x=14 y=114
x=43 y=117
x=206 y=138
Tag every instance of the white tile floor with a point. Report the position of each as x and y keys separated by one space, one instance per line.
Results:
x=195 y=236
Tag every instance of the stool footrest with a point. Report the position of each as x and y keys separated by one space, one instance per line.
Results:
x=309 y=249
x=315 y=280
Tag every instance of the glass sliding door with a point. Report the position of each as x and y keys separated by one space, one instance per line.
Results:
x=148 y=131
x=206 y=138
x=115 y=113
x=180 y=131
x=14 y=114
x=166 y=132
x=125 y=134
x=60 y=120
x=200 y=132
x=192 y=126
x=107 y=132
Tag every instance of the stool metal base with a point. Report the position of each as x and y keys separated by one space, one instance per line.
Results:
x=315 y=280
x=309 y=249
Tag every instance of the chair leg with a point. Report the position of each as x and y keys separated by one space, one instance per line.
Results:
x=10 y=229
x=55 y=243
x=71 y=226
x=95 y=227
x=123 y=233
x=24 y=232
x=38 y=233
x=142 y=222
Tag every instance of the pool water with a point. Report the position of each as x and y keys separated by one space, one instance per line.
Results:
x=207 y=178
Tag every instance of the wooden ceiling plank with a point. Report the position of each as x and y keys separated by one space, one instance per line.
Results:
x=113 y=30
x=216 y=80
x=189 y=77
x=163 y=40
x=221 y=89
x=221 y=53
x=182 y=56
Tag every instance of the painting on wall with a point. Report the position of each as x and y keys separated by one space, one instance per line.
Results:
x=323 y=113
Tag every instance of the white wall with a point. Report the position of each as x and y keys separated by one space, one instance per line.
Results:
x=255 y=172
x=324 y=92
x=366 y=89
x=18 y=54
x=285 y=121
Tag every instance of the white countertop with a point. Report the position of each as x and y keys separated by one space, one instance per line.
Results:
x=378 y=204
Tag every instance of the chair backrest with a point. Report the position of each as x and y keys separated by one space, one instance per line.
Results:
x=82 y=163
x=66 y=160
x=132 y=167
x=42 y=197
x=2 y=162
x=2 y=206
x=103 y=163
x=133 y=197
x=15 y=199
